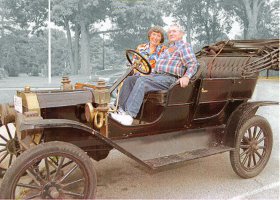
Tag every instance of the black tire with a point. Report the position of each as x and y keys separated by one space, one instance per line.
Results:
x=34 y=174
x=253 y=145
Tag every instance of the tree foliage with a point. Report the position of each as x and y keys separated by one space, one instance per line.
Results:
x=28 y=13
x=211 y=24
x=78 y=45
x=203 y=20
x=268 y=25
x=82 y=15
x=183 y=11
x=250 y=13
x=133 y=19
x=21 y=53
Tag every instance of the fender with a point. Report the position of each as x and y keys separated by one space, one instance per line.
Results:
x=64 y=123
x=243 y=112
x=54 y=123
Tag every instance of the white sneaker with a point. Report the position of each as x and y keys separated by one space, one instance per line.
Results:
x=124 y=119
x=121 y=111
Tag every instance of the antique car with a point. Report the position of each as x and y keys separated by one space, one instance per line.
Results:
x=50 y=135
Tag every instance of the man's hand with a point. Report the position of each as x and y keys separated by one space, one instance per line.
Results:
x=184 y=81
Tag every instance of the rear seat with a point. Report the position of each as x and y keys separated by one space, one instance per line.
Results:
x=224 y=67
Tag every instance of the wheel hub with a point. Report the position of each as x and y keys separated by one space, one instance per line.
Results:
x=12 y=146
x=54 y=193
x=51 y=190
x=254 y=145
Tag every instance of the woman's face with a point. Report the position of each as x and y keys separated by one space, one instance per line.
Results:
x=155 y=38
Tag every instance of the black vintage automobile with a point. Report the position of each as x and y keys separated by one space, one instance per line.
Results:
x=51 y=135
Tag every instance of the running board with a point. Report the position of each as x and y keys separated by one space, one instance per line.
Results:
x=165 y=161
x=156 y=151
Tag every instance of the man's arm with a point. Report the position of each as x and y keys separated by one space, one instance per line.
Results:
x=189 y=60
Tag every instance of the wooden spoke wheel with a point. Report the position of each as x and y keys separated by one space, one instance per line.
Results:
x=139 y=62
x=52 y=170
x=9 y=146
x=253 y=147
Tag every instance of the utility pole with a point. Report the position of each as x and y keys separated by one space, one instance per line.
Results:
x=49 y=46
x=103 y=52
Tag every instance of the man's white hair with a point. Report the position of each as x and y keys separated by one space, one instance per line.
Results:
x=180 y=28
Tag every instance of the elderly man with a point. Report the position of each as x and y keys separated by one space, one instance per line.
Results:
x=176 y=64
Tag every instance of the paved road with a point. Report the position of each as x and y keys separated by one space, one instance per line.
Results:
x=206 y=178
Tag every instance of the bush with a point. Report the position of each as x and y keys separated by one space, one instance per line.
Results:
x=3 y=73
x=13 y=71
x=34 y=71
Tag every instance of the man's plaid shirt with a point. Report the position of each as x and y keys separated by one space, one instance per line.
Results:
x=178 y=59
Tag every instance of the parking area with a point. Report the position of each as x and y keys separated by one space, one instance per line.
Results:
x=205 y=178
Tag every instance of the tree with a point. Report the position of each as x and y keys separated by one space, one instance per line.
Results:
x=183 y=11
x=133 y=19
x=60 y=56
x=64 y=14
x=211 y=25
x=21 y=53
x=82 y=14
x=28 y=13
x=22 y=50
x=103 y=55
x=268 y=25
x=203 y=20
x=248 y=12
x=2 y=19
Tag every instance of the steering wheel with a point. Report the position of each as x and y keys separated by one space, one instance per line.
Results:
x=140 y=62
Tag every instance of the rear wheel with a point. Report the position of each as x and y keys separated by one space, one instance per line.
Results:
x=253 y=147
x=34 y=174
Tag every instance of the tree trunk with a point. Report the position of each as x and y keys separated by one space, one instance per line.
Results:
x=207 y=28
x=252 y=11
x=76 y=48
x=245 y=32
x=70 y=47
x=2 y=35
x=85 y=60
x=2 y=26
x=189 y=26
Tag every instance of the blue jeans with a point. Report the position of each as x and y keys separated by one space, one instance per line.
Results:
x=135 y=88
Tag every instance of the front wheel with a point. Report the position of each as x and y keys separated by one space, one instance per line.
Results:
x=253 y=145
x=35 y=175
x=9 y=146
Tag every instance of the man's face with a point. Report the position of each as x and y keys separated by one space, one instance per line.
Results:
x=174 y=34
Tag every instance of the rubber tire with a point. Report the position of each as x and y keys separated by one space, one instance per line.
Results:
x=23 y=160
x=234 y=155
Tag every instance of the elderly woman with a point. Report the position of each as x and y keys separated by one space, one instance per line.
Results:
x=151 y=51
x=154 y=47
